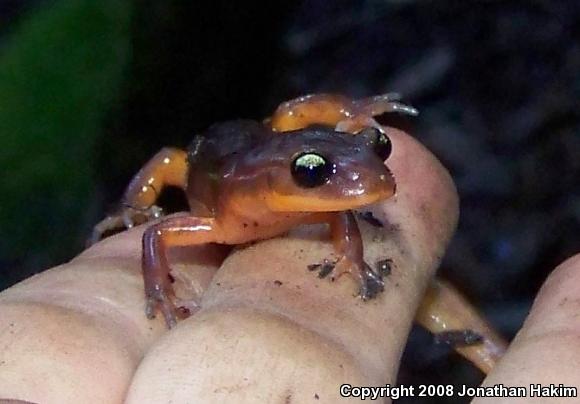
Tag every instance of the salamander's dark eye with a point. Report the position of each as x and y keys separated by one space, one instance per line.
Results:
x=311 y=170
x=383 y=147
x=380 y=142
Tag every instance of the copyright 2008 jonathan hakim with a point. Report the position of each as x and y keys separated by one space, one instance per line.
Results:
x=448 y=390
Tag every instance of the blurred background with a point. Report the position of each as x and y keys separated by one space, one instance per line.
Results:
x=89 y=90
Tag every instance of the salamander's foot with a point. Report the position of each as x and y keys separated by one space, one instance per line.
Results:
x=371 y=283
x=162 y=298
x=365 y=110
x=380 y=104
x=125 y=218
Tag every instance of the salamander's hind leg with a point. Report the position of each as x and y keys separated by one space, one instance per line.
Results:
x=178 y=231
x=345 y=114
x=167 y=167
x=348 y=244
x=321 y=109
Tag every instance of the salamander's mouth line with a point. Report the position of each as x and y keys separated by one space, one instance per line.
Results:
x=296 y=203
x=278 y=202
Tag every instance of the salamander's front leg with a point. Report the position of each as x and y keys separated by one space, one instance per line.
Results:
x=348 y=244
x=334 y=110
x=167 y=168
x=179 y=231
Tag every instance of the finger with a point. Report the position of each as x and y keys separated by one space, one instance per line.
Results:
x=270 y=331
x=79 y=330
x=545 y=351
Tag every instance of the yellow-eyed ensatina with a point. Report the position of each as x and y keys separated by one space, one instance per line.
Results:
x=243 y=182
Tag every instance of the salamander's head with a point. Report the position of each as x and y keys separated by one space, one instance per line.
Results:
x=317 y=169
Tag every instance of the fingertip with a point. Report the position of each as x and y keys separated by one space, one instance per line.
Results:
x=546 y=350
x=557 y=304
x=425 y=208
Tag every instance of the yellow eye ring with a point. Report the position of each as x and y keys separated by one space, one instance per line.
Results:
x=311 y=170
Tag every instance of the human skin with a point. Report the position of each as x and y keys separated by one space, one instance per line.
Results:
x=268 y=330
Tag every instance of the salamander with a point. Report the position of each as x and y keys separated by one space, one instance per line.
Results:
x=244 y=182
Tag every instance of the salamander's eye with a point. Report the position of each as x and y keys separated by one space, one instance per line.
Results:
x=383 y=147
x=311 y=170
x=380 y=142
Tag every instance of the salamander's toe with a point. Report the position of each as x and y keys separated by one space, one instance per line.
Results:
x=107 y=225
x=160 y=299
x=372 y=283
x=324 y=269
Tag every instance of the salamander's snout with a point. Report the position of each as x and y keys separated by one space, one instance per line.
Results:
x=364 y=180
